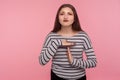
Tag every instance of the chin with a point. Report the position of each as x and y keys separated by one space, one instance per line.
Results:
x=66 y=25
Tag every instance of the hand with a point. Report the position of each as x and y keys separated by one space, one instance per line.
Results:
x=66 y=43
x=69 y=55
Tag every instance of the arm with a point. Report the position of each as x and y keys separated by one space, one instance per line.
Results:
x=49 y=49
x=91 y=58
x=89 y=63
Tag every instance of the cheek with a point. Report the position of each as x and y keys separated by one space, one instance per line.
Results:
x=60 y=18
x=72 y=19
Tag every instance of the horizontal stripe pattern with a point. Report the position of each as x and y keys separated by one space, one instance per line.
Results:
x=53 y=48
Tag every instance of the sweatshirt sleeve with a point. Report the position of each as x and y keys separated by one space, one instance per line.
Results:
x=49 y=49
x=91 y=58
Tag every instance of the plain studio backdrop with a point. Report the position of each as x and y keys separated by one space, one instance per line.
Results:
x=24 y=25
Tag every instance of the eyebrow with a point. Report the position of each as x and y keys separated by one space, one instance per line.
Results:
x=64 y=12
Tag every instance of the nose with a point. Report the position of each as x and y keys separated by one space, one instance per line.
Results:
x=65 y=16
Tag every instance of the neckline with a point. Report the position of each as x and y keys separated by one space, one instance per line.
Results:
x=69 y=36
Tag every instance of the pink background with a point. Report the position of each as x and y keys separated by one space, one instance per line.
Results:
x=25 y=23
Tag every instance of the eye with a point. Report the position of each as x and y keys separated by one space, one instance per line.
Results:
x=70 y=13
x=61 y=14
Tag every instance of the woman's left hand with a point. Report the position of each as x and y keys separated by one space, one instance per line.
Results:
x=69 y=55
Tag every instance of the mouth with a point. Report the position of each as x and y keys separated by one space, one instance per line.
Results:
x=65 y=20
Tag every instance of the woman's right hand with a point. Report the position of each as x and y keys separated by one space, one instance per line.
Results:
x=66 y=43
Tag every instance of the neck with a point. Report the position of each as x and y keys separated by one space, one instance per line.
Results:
x=66 y=29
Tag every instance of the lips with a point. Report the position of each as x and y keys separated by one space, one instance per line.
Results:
x=65 y=20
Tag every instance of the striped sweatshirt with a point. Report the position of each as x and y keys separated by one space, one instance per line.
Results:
x=53 y=49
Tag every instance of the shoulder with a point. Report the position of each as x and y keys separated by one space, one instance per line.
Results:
x=52 y=35
x=83 y=33
x=85 y=36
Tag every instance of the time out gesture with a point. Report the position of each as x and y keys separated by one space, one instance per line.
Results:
x=68 y=45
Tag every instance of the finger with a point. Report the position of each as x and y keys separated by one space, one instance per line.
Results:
x=69 y=44
x=72 y=43
x=64 y=40
x=68 y=49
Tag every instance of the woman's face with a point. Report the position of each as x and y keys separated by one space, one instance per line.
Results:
x=66 y=16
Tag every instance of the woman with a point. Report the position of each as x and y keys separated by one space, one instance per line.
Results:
x=65 y=44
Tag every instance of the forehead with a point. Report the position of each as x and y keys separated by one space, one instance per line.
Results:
x=66 y=9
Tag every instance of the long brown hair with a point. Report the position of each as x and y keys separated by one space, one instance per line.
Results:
x=76 y=24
